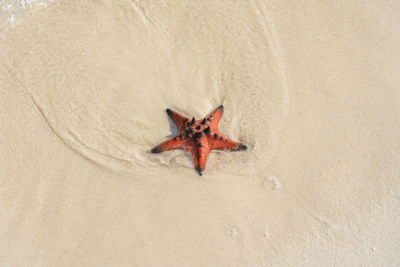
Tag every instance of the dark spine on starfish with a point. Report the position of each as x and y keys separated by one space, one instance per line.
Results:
x=197 y=136
x=192 y=121
x=207 y=130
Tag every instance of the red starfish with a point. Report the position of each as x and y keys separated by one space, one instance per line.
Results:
x=198 y=137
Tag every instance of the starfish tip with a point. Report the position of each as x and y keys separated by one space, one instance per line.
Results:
x=221 y=107
x=242 y=147
x=156 y=150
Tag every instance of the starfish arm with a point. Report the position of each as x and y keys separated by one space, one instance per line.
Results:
x=178 y=118
x=173 y=143
x=214 y=118
x=223 y=143
x=200 y=155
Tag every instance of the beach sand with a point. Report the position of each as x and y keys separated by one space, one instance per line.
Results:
x=312 y=88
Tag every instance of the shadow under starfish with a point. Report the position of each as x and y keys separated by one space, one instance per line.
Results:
x=198 y=137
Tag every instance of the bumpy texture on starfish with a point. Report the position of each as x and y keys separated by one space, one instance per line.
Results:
x=198 y=137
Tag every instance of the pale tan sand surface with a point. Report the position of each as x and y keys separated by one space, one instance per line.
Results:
x=312 y=87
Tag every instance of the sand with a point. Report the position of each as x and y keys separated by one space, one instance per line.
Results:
x=312 y=88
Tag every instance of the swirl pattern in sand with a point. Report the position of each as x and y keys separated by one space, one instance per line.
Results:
x=104 y=74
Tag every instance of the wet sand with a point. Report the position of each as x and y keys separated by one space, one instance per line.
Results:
x=311 y=88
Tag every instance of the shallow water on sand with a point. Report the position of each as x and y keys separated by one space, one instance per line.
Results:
x=105 y=92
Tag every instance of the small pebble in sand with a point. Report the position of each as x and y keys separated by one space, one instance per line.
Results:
x=272 y=179
x=233 y=232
